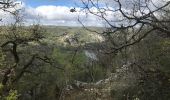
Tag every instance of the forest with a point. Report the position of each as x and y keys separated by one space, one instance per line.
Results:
x=124 y=55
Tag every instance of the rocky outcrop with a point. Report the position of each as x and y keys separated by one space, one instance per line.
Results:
x=100 y=90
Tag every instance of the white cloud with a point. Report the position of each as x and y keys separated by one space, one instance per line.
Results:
x=6 y=16
x=61 y=15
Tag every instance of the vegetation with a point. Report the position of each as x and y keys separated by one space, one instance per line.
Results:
x=118 y=62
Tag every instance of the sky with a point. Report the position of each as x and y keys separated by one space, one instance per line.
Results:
x=36 y=3
x=57 y=12
x=51 y=12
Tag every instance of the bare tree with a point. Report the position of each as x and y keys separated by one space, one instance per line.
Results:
x=136 y=17
x=131 y=22
x=15 y=37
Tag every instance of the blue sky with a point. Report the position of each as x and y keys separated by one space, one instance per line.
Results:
x=36 y=3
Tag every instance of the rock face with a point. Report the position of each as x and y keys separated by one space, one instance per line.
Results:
x=91 y=55
x=100 y=90
x=68 y=39
x=89 y=91
x=73 y=39
x=97 y=37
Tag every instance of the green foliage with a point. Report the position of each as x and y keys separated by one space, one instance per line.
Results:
x=164 y=58
x=13 y=95
x=2 y=59
x=76 y=65
x=1 y=89
x=44 y=78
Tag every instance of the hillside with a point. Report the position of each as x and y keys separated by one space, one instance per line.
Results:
x=66 y=35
